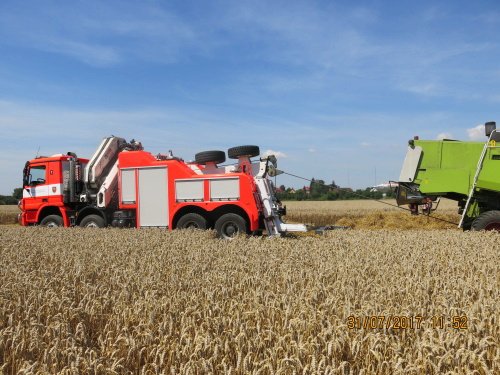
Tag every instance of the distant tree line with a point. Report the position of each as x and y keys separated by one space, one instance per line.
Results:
x=12 y=199
x=318 y=190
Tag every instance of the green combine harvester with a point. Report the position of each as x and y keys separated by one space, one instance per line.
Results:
x=467 y=172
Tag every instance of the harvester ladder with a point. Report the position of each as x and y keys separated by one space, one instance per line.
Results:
x=476 y=177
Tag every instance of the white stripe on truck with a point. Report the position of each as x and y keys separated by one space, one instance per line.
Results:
x=43 y=191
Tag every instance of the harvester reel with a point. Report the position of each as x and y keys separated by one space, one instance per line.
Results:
x=238 y=151
x=213 y=156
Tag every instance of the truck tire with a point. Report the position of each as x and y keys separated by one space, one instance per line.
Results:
x=52 y=221
x=489 y=220
x=213 y=156
x=192 y=220
x=229 y=226
x=93 y=221
x=236 y=152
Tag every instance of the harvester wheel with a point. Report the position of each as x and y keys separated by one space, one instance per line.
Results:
x=229 y=226
x=489 y=220
x=192 y=220
x=93 y=221
x=213 y=156
x=236 y=152
x=52 y=221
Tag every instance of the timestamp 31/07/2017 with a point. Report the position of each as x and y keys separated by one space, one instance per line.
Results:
x=458 y=322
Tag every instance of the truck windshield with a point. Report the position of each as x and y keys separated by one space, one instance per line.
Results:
x=37 y=175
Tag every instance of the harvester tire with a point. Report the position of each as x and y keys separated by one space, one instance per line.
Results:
x=236 y=152
x=52 y=221
x=213 y=156
x=192 y=220
x=489 y=220
x=229 y=226
x=93 y=221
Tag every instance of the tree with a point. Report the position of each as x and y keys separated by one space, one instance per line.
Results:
x=318 y=189
x=18 y=193
x=7 y=199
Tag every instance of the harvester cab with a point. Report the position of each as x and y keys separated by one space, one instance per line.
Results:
x=466 y=172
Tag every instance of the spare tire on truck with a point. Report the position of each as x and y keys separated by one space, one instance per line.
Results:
x=236 y=152
x=213 y=156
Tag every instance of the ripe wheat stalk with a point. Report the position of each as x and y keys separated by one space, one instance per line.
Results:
x=152 y=301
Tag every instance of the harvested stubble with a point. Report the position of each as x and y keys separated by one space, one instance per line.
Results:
x=364 y=214
x=152 y=301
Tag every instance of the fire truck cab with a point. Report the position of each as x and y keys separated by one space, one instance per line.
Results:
x=124 y=186
x=46 y=194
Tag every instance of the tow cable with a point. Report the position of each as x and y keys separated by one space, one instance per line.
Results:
x=279 y=171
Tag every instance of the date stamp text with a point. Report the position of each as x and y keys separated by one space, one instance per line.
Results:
x=457 y=322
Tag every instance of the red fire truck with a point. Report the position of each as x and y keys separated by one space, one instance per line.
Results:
x=124 y=186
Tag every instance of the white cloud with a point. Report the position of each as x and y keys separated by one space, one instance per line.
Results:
x=325 y=148
x=441 y=136
x=278 y=154
x=365 y=144
x=426 y=89
x=476 y=133
x=89 y=53
x=102 y=33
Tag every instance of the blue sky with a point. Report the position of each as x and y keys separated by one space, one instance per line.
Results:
x=335 y=88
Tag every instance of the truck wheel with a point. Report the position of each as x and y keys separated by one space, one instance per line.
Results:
x=214 y=156
x=489 y=220
x=52 y=221
x=192 y=220
x=236 y=152
x=92 y=221
x=229 y=226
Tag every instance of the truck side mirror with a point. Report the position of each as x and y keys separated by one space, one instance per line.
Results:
x=489 y=127
x=27 y=179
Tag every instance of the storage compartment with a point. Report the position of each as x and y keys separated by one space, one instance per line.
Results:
x=153 y=197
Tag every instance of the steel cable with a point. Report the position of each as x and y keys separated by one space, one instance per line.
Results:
x=367 y=198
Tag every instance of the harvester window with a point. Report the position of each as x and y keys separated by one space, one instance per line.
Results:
x=37 y=175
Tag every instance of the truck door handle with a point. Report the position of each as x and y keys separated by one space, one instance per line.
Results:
x=45 y=200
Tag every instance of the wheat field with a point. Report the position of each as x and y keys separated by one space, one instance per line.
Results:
x=8 y=214
x=110 y=301
x=356 y=214
x=369 y=214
